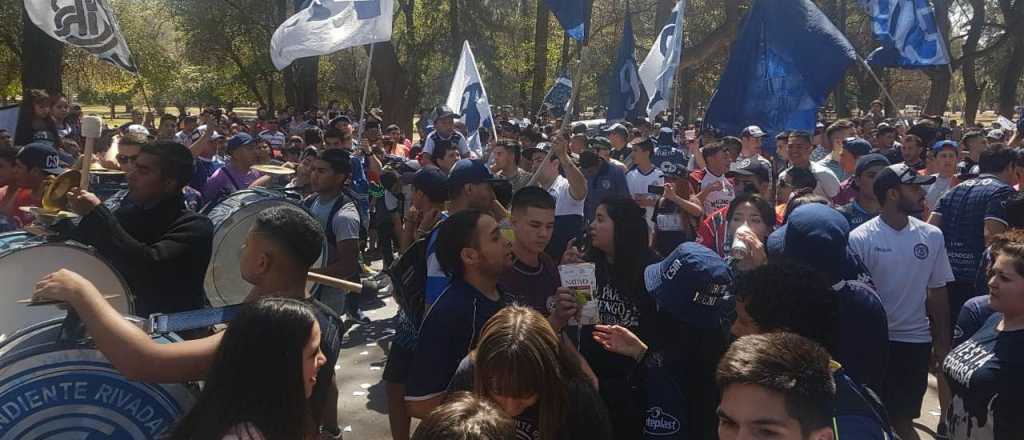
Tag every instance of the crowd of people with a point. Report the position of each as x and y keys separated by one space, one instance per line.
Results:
x=796 y=287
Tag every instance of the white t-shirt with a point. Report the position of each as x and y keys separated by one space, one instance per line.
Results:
x=937 y=190
x=904 y=265
x=637 y=182
x=565 y=204
x=717 y=199
x=828 y=183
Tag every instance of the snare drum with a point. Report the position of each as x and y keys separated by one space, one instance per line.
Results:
x=232 y=218
x=25 y=259
x=55 y=387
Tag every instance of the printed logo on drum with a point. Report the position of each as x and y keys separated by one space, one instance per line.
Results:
x=80 y=399
x=660 y=422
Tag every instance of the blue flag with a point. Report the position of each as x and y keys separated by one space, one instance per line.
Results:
x=783 y=65
x=572 y=15
x=907 y=32
x=557 y=99
x=626 y=97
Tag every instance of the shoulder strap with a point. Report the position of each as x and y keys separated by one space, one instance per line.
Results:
x=234 y=183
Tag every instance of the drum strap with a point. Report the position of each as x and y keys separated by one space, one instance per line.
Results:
x=160 y=323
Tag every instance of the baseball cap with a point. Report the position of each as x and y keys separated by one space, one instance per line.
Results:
x=467 y=171
x=432 y=182
x=599 y=142
x=342 y=118
x=867 y=161
x=752 y=131
x=815 y=235
x=690 y=284
x=856 y=146
x=751 y=167
x=899 y=174
x=995 y=135
x=239 y=140
x=444 y=112
x=670 y=169
x=41 y=155
x=617 y=128
x=135 y=134
x=945 y=144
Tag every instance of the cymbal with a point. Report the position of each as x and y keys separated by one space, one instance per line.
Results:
x=106 y=172
x=274 y=170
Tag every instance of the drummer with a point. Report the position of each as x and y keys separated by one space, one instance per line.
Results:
x=276 y=256
x=161 y=248
x=236 y=175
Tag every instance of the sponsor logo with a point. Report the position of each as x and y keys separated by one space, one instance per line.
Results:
x=660 y=422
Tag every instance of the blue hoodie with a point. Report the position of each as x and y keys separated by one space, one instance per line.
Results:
x=816 y=235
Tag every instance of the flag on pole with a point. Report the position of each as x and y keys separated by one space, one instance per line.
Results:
x=572 y=15
x=779 y=73
x=557 y=99
x=468 y=97
x=658 y=70
x=327 y=26
x=626 y=95
x=88 y=24
x=907 y=32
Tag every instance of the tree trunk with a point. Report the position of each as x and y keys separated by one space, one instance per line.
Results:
x=722 y=36
x=1011 y=78
x=41 y=66
x=841 y=99
x=662 y=11
x=972 y=91
x=304 y=78
x=397 y=98
x=456 y=27
x=941 y=75
x=540 y=56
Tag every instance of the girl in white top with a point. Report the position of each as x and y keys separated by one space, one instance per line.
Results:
x=262 y=377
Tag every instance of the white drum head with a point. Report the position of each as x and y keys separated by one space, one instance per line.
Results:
x=23 y=267
x=224 y=284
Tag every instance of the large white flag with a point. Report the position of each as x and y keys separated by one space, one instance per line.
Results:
x=659 y=68
x=88 y=24
x=327 y=26
x=468 y=97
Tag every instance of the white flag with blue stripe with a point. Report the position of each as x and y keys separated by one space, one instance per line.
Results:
x=468 y=97
x=327 y=26
x=907 y=32
x=659 y=68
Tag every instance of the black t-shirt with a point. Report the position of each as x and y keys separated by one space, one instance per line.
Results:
x=587 y=416
x=986 y=376
x=532 y=286
x=331 y=333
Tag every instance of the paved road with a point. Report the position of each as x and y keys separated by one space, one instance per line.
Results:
x=362 y=405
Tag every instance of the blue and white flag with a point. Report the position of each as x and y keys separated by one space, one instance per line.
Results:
x=88 y=24
x=780 y=73
x=557 y=99
x=327 y=26
x=658 y=70
x=572 y=15
x=908 y=34
x=626 y=95
x=468 y=97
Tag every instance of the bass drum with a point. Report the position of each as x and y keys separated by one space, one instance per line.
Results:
x=54 y=387
x=25 y=259
x=232 y=218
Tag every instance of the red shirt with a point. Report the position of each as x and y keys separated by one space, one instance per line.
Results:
x=12 y=207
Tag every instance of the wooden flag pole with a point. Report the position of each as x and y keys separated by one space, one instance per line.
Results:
x=366 y=88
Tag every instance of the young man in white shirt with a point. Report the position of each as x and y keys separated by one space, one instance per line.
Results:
x=444 y=130
x=569 y=191
x=642 y=176
x=908 y=262
x=750 y=139
x=716 y=191
x=799 y=148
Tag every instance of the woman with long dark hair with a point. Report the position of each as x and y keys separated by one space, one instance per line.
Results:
x=262 y=377
x=620 y=252
x=34 y=119
x=521 y=364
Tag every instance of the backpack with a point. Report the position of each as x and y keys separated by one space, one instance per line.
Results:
x=343 y=197
x=408 y=276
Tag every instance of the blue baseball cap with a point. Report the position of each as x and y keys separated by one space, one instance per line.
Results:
x=41 y=155
x=690 y=284
x=867 y=161
x=665 y=137
x=817 y=235
x=467 y=171
x=856 y=146
x=238 y=140
x=945 y=144
x=432 y=182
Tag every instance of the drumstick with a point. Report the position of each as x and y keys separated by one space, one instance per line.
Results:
x=91 y=129
x=334 y=282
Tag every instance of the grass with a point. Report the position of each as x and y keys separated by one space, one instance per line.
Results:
x=121 y=116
